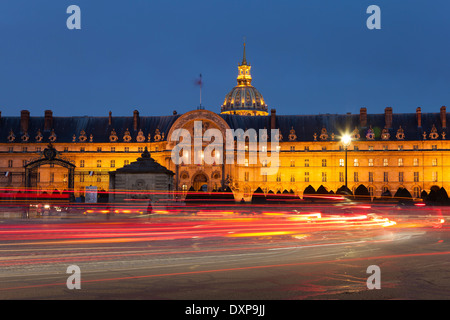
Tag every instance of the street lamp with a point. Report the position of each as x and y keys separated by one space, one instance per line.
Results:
x=346 y=140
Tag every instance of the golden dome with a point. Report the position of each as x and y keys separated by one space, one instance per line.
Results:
x=244 y=99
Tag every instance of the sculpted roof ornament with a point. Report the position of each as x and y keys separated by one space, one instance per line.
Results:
x=370 y=135
x=140 y=137
x=385 y=135
x=355 y=134
x=11 y=136
x=400 y=134
x=292 y=135
x=324 y=134
x=113 y=136
x=434 y=134
x=127 y=136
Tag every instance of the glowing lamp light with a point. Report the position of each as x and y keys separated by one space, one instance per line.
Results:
x=346 y=139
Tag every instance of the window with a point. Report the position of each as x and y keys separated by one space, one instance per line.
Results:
x=356 y=148
x=82 y=149
x=434 y=162
x=400 y=162
x=264 y=176
x=11 y=149
x=10 y=163
x=324 y=148
x=113 y=163
x=24 y=149
x=355 y=177
x=38 y=149
x=400 y=177
x=324 y=177
x=140 y=149
x=370 y=162
x=386 y=176
x=126 y=162
x=416 y=162
x=126 y=149
x=434 y=177
x=385 y=162
x=341 y=177
x=341 y=163
x=99 y=149
x=370 y=176
x=278 y=177
x=306 y=148
x=434 y=147
x=246 y=162
x=356 y=162
x=292 y=163
x=24 y=163
x=99 y=177
x=415 y=147
x=184 y=188
x=416 y=176
x=306 y=162
x=324 y=162
x=385 y=147
x=113 y=149
x=263 y=148
x=370 y=148
x=292 y=178
x=292 y=148
x=278 y=148
x=66 y=149
x=400 y=147
x=99 y=163
x=81 y=177
x=52 y=177
x=306 y=176
x=246 y=176
x=81 y=163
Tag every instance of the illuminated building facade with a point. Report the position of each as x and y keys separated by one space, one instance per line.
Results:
x=388 y=151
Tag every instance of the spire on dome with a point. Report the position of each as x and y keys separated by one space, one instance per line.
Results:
x=244 y=60
x=244 y=78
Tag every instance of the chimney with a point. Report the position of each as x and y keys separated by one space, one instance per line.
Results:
x=443 y=117
x=419 y=116
x=135 y=120
x=363 y=117
x=175 y=112
x=48 y=120
x=273 y=121
x=388 y=117
x=110 y=118
x=24 y=120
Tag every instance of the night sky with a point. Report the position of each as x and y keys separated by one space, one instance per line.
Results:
x=307 y=57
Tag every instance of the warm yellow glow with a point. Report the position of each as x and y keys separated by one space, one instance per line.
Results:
x=246 y=112
x=346 y=139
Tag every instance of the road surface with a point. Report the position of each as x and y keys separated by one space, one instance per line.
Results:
x=217 y=254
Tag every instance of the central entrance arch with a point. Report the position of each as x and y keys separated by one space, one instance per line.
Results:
x=200 y=182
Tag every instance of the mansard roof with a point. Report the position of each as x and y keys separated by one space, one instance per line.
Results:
x=306 y=127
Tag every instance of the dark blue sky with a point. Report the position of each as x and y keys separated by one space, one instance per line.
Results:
x=307 y=57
